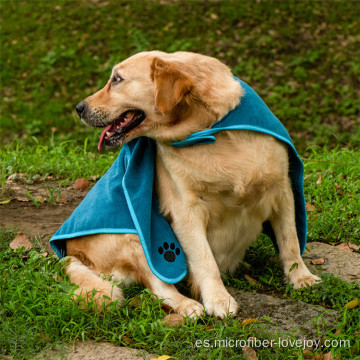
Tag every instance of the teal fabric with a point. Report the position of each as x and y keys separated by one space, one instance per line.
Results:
x=123 y=200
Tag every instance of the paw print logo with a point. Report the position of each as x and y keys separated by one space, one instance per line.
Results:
x=169 y=252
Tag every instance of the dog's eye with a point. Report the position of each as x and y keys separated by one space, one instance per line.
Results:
x=116 y=79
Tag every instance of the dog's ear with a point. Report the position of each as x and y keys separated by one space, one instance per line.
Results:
x=171 y=85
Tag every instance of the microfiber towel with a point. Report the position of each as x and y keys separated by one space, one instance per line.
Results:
x=123 y=201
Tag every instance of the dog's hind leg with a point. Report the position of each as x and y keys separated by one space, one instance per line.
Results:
x=88 y=280
x=283 y=223
x=122 y=257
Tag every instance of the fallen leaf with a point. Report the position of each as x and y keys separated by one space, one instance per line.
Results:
x=163 y=357
x=173 y=320
x=309 y=207
x=249 y=278
x=248 y=321
x=308 y=354
x=81 y=184
x=249 y=353
x=209 y=328
x=352 y=304
x=338 y=331
x=126 y=340
x=21 y=240
x=318 y=181
x=328 y=356
x=5 y=202
x=347 y=246
x=320 y=261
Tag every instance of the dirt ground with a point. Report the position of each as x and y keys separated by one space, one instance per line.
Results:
x=19 y=211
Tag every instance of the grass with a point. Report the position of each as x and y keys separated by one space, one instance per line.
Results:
x=332 y=186
x=301 y=57
x=63 y=159
x=37 y=313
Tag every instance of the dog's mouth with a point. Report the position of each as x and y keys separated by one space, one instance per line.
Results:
x=113 y=133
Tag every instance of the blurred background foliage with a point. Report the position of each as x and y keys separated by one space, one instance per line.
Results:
x=302 y=57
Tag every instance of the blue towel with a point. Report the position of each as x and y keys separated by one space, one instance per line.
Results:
x=123 y=200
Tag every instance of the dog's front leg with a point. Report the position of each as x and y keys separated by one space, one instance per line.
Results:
x=190 y=226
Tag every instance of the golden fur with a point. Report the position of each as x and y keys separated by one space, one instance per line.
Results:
x=216 y=197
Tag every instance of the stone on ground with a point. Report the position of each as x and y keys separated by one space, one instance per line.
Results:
x=343 y=264
x=90 y=350
x=279 y=316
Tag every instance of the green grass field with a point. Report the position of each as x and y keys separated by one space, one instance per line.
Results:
x=301 y=57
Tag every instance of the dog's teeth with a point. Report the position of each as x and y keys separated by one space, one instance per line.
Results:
x=108 y=133
x=128 y=115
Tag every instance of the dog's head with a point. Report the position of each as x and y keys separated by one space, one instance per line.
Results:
x=162 y=96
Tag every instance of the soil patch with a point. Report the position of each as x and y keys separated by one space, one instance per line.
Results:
x=343 y=264
x=280 y=317
x=90 y=350
x=20 y=212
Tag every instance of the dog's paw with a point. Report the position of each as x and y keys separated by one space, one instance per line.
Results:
x=97 y=299
x=221 y=305
x=302 y=278
x=306 y=281
x=189 y=308
x=169 y=251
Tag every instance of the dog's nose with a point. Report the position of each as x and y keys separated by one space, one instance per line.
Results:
x=80 y=107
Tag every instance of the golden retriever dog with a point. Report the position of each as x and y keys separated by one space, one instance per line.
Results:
x=216 y=197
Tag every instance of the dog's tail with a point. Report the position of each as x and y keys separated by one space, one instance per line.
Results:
x=93 y=289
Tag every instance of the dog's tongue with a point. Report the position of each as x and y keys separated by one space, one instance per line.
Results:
x=103 y=133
